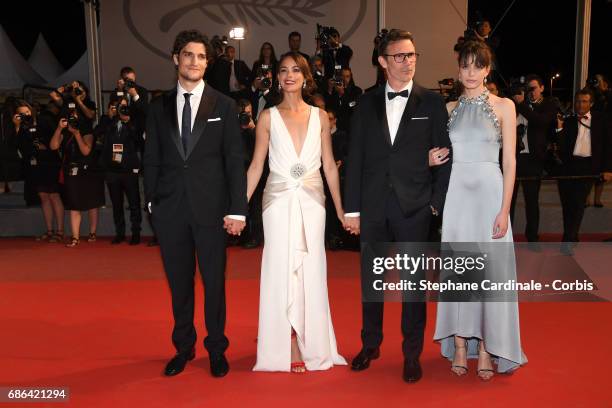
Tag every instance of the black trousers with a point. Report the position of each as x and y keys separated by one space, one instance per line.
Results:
x=573 y=194
x=528 y=166
x=120 y=184
x=396 y=228
x=182 y=240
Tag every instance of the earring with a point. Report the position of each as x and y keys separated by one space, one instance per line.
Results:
x=279 y=86
x=304 y=85
x=485 y=80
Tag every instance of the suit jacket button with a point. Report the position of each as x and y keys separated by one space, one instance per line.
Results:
x=185 y=166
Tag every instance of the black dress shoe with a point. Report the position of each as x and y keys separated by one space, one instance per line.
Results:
x=118 y=239
x=178 y=363
x=218 y=365
x=135 y=239
x=362 y=360
x=412 y=371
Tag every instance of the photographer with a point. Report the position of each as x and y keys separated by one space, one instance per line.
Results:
x=252 y=236
x=237 y=74
x=83 y=187
x=536 y=116
x=318 y=73
x=264 y=93
x=10 y=162
x=584 y=140
x=137 y=96
x=121 y=142
x=76 y=92
x=295 y=42
x=332 y=50
x=41 y=166
x=266 y=62
x=344 y=97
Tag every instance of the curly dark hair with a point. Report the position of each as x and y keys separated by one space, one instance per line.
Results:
x=305 y=69
x=185 y=37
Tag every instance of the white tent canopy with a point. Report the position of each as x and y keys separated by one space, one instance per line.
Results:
x=14 y=69
x=78 y=72
x=44 y=61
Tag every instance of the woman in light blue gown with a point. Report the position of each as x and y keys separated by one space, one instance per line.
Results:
x=477 y=210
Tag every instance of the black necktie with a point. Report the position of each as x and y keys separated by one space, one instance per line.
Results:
x=392 y=95
x=186 y=123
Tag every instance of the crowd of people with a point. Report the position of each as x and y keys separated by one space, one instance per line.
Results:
x=65 y=160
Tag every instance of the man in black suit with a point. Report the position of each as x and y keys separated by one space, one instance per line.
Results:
x=194 y=178
x=390 y=191
x=537 y=114
x=336 y=54
x=238 y=75
x=137 y=96
x=584 y=141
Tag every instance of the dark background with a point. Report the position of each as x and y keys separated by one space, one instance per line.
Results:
x=537 y=36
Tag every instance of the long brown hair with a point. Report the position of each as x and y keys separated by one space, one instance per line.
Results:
x=305 y=69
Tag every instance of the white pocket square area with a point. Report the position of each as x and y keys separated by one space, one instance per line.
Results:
x=422 y=118
x=214 y=119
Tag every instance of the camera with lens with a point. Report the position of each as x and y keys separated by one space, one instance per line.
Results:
x=71 y=117
x=128 y=84
x=27 y=121
x=68 y=89
x=323 y=35
x=244 y=118
x=518 y=86
x=447 y=82
x=123 y=110
x=380 y=35
x=592 y=83
x=565 y=114
x=262 y=75
x=338 y=81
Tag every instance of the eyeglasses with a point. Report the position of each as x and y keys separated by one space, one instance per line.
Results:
x=401 y=57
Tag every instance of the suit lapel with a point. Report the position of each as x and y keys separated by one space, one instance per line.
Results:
x=207 y=104
x=381 y=113
x=414 y=100
x=172 y=120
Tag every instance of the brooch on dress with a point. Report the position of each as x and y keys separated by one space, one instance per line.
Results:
x=298 y=170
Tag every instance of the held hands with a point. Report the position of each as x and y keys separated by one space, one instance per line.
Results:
x=352 y=225
x=438 y=156
x=500 y=226
x=233 y=227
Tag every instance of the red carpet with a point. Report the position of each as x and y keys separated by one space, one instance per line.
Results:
x=97 y=320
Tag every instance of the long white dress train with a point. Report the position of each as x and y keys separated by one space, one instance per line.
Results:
x=293 y=289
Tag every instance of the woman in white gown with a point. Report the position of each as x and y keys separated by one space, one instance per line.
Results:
x=295 y=327
x=477 y=210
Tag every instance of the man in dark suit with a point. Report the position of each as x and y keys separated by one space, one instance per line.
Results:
x=537 y=114
x=238 y=75
x=337 y=54
x=390 y=191
x=137 y=96
x=195 y=186
x=584 y=141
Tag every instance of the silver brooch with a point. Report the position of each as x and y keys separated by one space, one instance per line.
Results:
x=297 y=170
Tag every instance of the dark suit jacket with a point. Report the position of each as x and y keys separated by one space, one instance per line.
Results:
x=221 y=73
x=601 y=142
x=342 y=58
x=210 y=180
x=540 y=125
x=375 y=168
